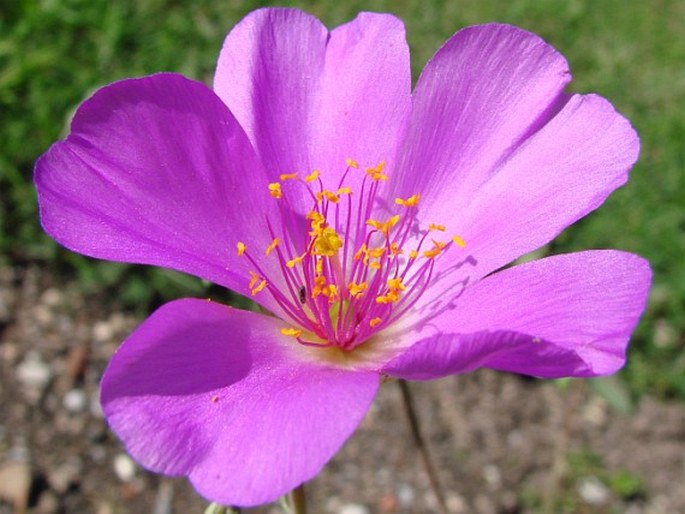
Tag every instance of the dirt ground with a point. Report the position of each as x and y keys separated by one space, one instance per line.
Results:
x=503 y=444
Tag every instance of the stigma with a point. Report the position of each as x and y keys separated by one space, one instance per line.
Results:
x=348 y=272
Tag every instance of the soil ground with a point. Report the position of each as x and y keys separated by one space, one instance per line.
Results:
x=503 y=444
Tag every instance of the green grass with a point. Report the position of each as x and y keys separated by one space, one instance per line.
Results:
x=54 y=53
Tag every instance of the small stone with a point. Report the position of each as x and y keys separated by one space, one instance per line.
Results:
x=15 y=483
x=592 y=491
x=405 y=495
x=103 y=331
x=51 y=297
x=48 y=503
x=75 y=401
x=492 y=475
x=124 y=467
x=353 y=508
x=455 y=503
x=33 y=372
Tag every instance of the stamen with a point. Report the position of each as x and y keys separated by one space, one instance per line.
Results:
x=412 y=201
x=376 y=173
x=342 y=277
x=275 y=190
x=352 y=163
x=357 y=289
x=438 y=246
x=295 y=260
x=253 y=280
x=312 y=176
x=273 y=245
x=259 y=288
x=459 y=241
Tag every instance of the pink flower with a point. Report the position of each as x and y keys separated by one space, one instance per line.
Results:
x=369 y=220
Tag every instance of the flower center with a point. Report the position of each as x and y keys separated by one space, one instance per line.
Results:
x=345 y=274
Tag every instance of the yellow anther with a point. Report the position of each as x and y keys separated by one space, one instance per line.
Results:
x=344 y=191
x=413 y=254
x=317 y=221
x=259 y=287
x=275 y=190
x=312 y=176
x=287 y=176
x=395 y=249
x=328 y=195
x=375 y=265
x=459 y=241
x=357 y=289
x=241 y=248
x=391 y=297
x=395 y=284
x=374 y=322
x=271 y=247
x=376 y=253
x=412 y=201
x=352 y=163
x=319 y=267
x=331 y=290
x=294 y=261
x=384 y=227
x=321 y=287
x=435 y=251
x=361 y=252
x=376 y=173
x=435 y=226
x=292 y=332
x=253 y=280
x=327 y=243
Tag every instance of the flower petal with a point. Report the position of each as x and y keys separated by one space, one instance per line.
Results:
x=309 y=98
x=568 y=315
x=451 y=354
x=220 y=395
x=486 y=90
x=512 y=160
x=562 y=173
x=157 y=171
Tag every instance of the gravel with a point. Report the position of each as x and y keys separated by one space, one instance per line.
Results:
x=502 y=443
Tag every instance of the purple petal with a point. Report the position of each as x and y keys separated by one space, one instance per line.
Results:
x=157 y=171
x=309 y=98
x=561 y=174
x=500 y=155
x=568 y=315
x=482 y=93
x=450 y=354
x=220 y=395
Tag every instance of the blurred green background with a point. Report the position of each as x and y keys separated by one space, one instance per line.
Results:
x=54 y=53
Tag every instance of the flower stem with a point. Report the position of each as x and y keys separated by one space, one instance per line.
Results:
x=298 y=500
x=420 y=442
